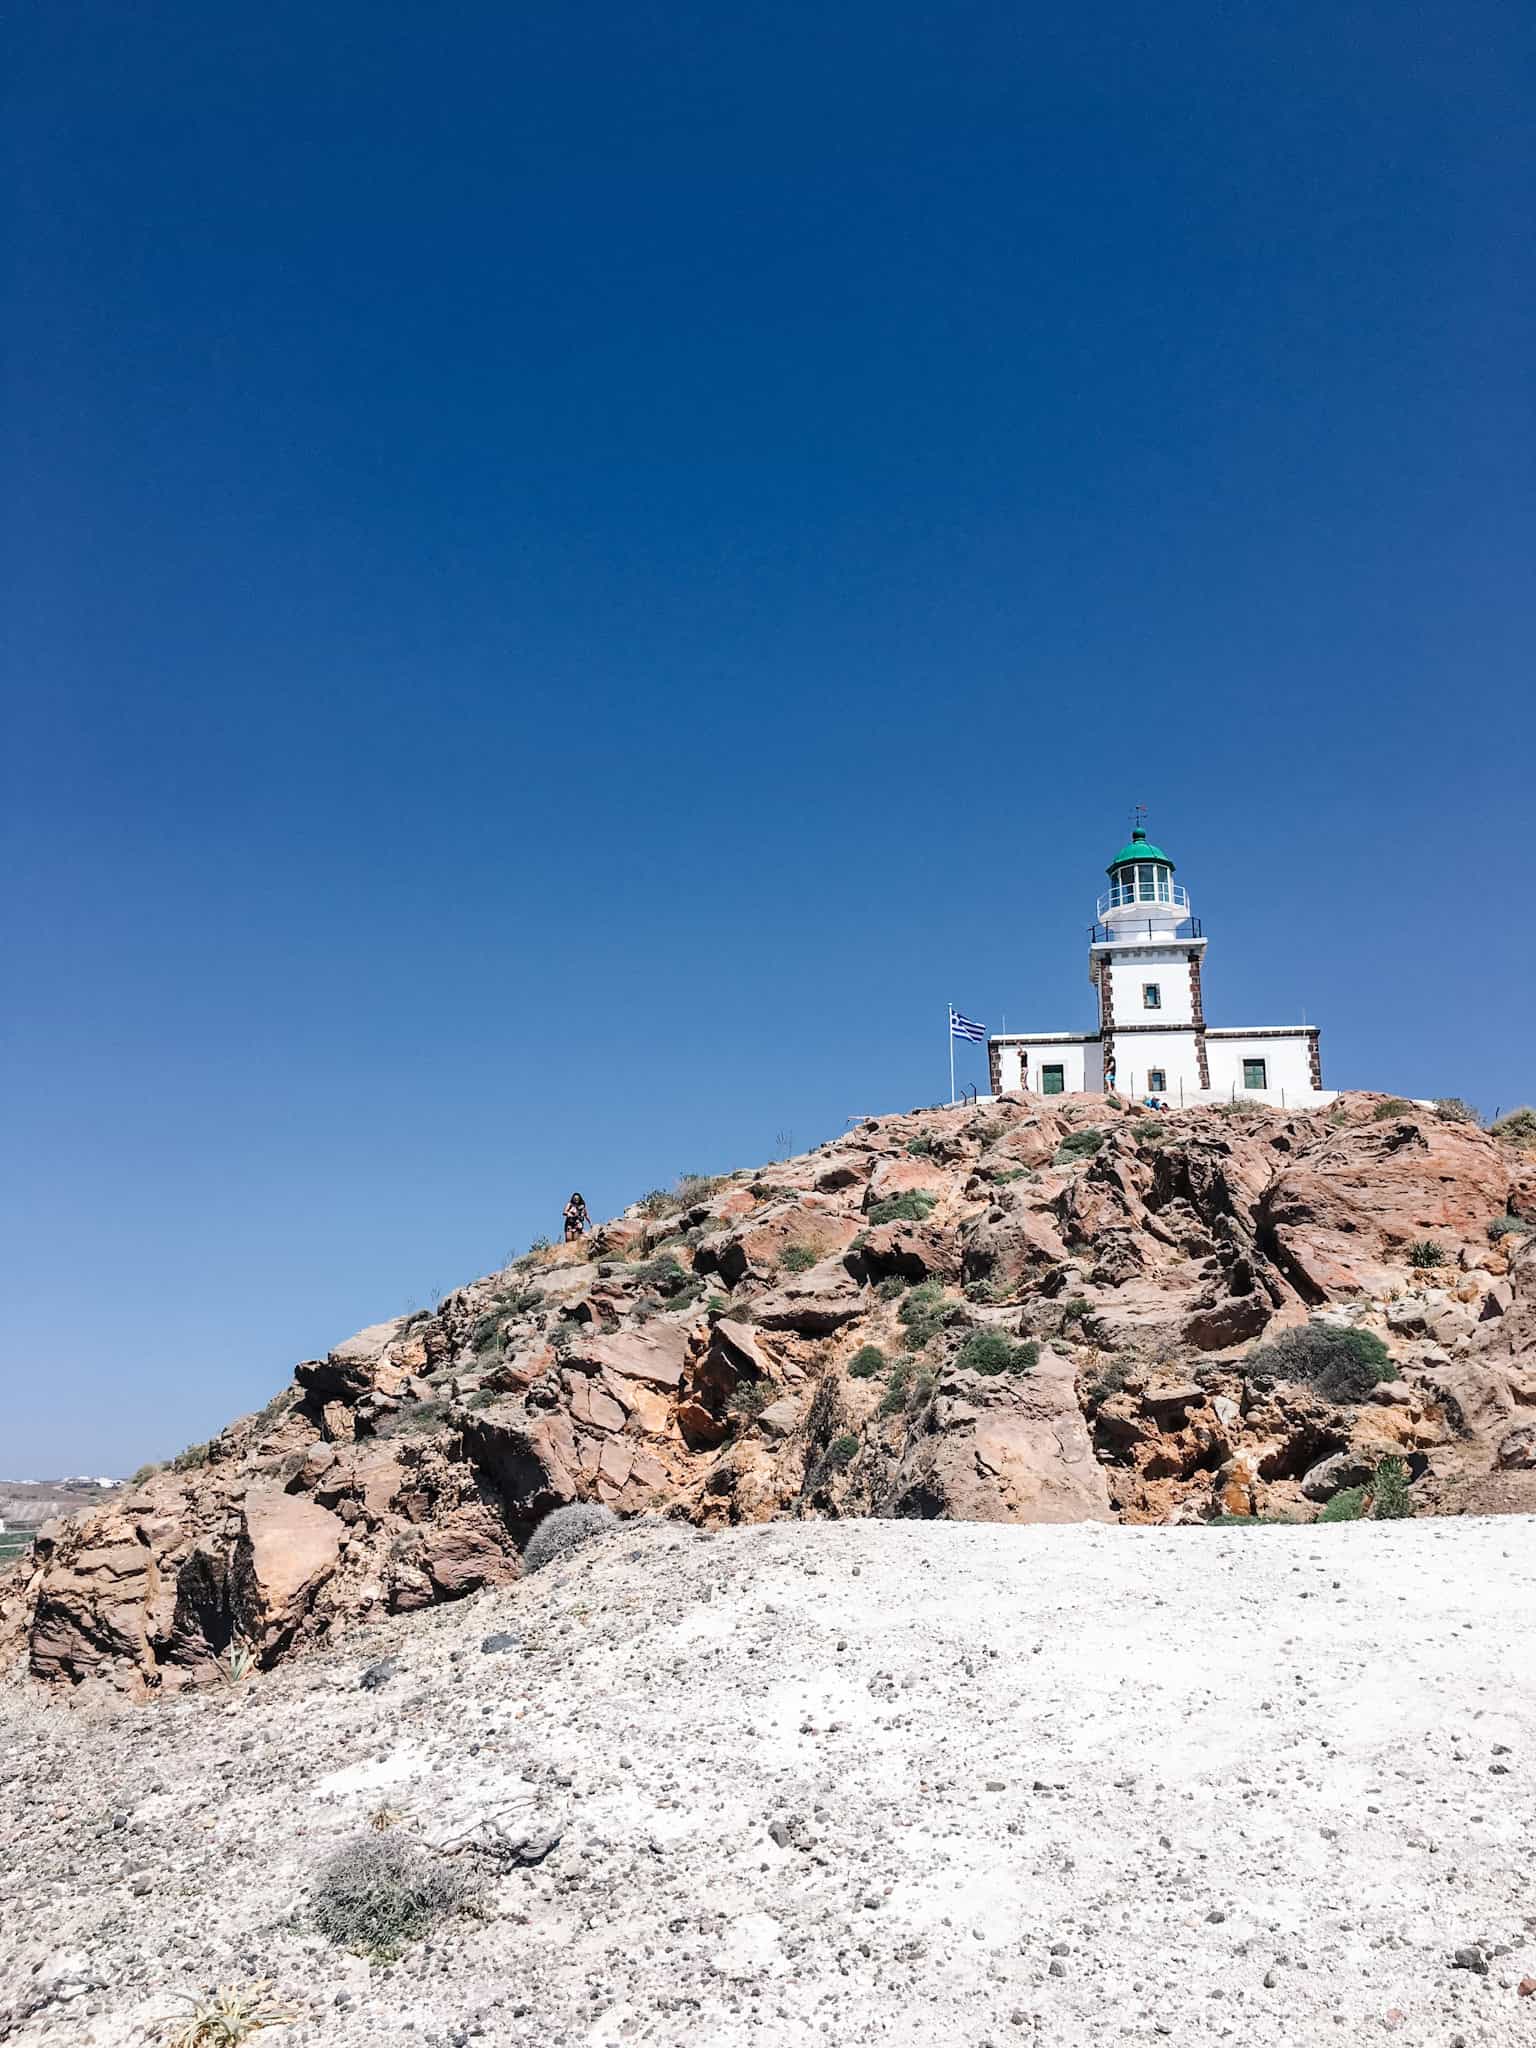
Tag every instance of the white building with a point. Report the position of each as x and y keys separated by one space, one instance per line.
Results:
x=1146 y=953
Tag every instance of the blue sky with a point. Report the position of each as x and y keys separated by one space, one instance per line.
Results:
x=571 y=576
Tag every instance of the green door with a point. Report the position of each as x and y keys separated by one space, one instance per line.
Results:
x=1053 y=1080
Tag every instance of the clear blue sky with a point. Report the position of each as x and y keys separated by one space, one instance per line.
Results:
x=572 y=575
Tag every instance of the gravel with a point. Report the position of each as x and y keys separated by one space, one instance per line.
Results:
x=1064 y=1785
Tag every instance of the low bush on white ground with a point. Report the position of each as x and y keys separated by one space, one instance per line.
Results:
x=565 y=1530
x=382 y=1891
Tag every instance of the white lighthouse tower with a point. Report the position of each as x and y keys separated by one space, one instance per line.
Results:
x=1146 y=955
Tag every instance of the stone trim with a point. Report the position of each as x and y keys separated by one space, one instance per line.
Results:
x=995 y=1066
x=1265 y=1031
x=1044 y=1038
x=1109 y=1071
x=1197 y=1012
x=1315 y=1059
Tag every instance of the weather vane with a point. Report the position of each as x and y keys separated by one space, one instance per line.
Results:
x=1138 y=817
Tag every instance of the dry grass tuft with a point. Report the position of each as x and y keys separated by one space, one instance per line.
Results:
x=232 y=2013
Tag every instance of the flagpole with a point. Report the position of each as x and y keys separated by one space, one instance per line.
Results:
x=951 y=1009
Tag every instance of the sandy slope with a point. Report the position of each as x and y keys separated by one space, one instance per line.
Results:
x=1066 y=1785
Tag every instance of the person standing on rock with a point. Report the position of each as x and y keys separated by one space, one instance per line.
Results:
x=577 y=1221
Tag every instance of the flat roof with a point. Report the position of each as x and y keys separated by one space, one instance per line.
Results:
x=1264 y=1031
x=1044 y=1038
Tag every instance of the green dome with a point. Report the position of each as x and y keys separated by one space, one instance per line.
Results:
x=1139 y=847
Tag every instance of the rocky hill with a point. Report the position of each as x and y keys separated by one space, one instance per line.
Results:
x=1012 y=1312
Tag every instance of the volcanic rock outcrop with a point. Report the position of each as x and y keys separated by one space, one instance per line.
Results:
x=1014 y=1312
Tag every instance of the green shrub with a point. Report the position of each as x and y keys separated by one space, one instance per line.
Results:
x=1390 y=1501
x=693 y=1188
x=908 y=1384
x=912 y=1207
x=531 y=1257
x=892 y=1287
x=192 y=1457
x=923 y=1311
x=982 y=1291
x=1079 y=1145
x=842 y=1451
x=664 y=1274
x=485 y=1337
x=564 y=1530
x=1343 y=1364
x=717 y=1304
x=797 y=1258
x=921 y=1148
x=1077 y=1309
x=1381 y=1114
x=990 y=1352
x=867 y=1363
x=412 y=1418
x=748 y=1398
x=894 y=1399
x=1108 y=1380
x=381 y=1891
x=1519 y=1126
x=1455 y=1111
x=1240 y=1106
x=145 y=1472
x=1509 y=1226
x=686 y=1297
x=1348 y=1506
x=279 y=1404
x=1424 y=1253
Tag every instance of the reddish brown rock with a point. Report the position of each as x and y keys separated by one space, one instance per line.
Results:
x=287 y=1548
x=91 y=1607
x=1011 y=1449
x=907 y=1176
x=470 y=1549
x=1343 y=1210
x=757 y=1251
x=915 y=1251
x=814 y=1303
x=653 y=1354
x=1237 y=1319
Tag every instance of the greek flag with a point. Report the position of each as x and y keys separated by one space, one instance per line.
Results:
x=963 y=1027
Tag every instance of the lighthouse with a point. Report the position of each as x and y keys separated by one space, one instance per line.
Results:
x=1146 y=963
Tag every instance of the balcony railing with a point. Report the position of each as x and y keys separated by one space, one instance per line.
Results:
x=1159 y=928
x=1150 y=893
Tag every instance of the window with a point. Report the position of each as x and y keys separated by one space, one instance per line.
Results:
x=1053 y=1080
x=1157 y=1081
x=1254 y=1074
x=1151 y=995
